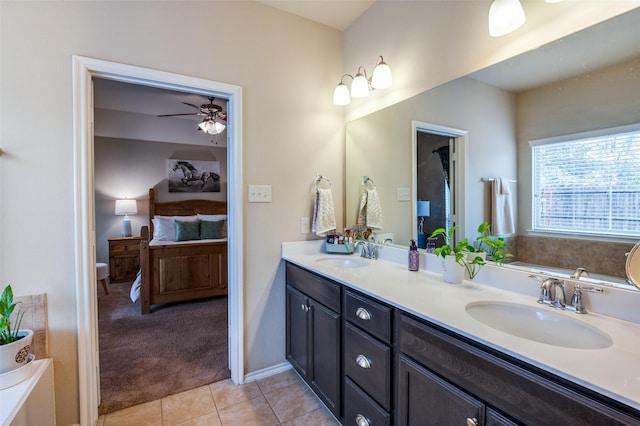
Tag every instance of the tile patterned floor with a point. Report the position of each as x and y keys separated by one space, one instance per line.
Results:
x=282 y=399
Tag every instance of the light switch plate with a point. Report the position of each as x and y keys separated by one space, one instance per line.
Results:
x=305 y=225
x=259 y=194
x=404 y=194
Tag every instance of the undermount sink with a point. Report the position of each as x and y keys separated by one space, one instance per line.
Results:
x=343 y=262
x=538 y=323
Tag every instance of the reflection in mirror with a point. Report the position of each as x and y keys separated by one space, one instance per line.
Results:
x=502 y=108
x=632 y=266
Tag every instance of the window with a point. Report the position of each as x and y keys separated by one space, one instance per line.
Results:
x=588 y=183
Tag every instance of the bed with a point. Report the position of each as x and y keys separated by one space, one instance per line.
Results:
x=187 y=269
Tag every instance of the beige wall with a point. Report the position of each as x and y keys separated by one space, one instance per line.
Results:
x=286 y=66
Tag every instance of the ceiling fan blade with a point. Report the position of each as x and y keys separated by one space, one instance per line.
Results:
x=176 y=115
x=191 y=105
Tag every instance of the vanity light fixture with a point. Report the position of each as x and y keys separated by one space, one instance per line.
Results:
x=211 y=126
x=126 y=207
x=361 y=84
x=505 y=16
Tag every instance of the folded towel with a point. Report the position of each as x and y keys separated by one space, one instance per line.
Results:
x=502 y=221
x=370 y=213
x=324 y=216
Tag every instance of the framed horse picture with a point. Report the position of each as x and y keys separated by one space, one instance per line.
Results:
x=194 y=176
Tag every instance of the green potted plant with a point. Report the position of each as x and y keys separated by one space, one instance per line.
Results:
x=456 y=254
x=15 y=343
x=493 y=246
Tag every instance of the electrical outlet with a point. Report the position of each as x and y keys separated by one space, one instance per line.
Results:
x=404 y=194
x=259 y=194
x=305 y=225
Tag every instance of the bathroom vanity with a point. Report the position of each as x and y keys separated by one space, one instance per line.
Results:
x=384 y=346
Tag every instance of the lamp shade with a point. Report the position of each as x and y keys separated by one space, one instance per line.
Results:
x=505 y=16
x=360 y=86
x=341 y=95
x=126 y=207
x=424 y=209
x=381 y=78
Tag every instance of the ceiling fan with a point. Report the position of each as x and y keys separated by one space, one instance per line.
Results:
x=213 y=117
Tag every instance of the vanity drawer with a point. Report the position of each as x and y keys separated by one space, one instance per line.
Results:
x=314 y=286
x=371 y=316
x=359 y=405
x=367 y=362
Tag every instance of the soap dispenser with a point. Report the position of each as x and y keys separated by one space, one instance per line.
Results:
x=414 y=257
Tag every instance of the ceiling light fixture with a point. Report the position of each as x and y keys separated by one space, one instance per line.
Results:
x=211 y=126
x=505 y=16
x=361 y=84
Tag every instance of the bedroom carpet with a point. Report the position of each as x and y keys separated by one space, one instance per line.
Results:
x=146 y=357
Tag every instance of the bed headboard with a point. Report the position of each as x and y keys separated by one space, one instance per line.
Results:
x=183 y=208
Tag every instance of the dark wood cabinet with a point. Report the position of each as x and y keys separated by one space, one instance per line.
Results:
x=124 y=258
x=314 y=333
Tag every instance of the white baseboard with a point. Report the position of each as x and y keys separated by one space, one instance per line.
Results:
x=266 y=372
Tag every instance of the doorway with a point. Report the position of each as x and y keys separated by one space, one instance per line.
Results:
x=84 y=70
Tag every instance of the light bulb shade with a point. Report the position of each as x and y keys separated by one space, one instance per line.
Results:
x=126 y=207
x=360 y=86
x=505 y=16
x=424 y=209
x=210 y=126
x=341 y=95
x=381 y=78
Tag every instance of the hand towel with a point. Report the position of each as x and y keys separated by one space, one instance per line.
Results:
x=370 y=213
x=324 y=216
x=502 y=222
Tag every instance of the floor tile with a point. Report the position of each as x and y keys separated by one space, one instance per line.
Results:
x=255 y=412
x=187 y=405
x=319 y=417
x=147 y=414
x=278 y=381
x=225 y=393
x=210 y=419
x=292 y=401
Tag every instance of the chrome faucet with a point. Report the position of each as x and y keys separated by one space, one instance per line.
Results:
x=578 y=273
x=552 y=293
x=369 y=250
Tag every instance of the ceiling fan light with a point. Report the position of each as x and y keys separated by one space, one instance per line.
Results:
x=505 y=16
x=360 y=86
x=381 y=78
x=341 y=95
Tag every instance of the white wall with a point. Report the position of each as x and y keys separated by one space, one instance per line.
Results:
x=286 y=66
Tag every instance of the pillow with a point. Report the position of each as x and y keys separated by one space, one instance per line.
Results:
x=164 y=229
x=215 y=230
x=187 y=230
x=212 y=217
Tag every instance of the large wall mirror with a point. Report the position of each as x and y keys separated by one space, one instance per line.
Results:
x=585 y=81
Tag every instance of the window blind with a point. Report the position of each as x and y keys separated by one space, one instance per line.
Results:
x=588 y=185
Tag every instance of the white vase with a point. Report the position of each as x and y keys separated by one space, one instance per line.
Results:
x=15 y=354
x=452 y=272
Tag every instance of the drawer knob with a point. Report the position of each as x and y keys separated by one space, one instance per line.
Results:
x=305 y=307
x=363 y=361
x=473 y=422
x=363 y=314
x=361 y=420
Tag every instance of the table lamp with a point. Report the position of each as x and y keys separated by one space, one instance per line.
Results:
x=126 y=207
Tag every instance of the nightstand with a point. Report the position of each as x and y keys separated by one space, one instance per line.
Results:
x=124 y=258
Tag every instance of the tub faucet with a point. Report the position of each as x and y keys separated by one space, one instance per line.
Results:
x=578 y=273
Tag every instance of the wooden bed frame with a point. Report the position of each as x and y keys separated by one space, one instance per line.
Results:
x=181 y=271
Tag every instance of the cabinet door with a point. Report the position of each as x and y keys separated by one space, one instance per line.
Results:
x=325 y=355
x=298 y=343
x=495 y=418
x=425 y=399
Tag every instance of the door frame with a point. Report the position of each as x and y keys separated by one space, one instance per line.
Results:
x=458 y=159
x=84 y=70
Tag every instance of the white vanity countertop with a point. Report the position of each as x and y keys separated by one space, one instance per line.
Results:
x=613 y=371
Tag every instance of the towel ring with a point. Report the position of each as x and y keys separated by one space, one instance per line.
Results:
x=320 y=179
x=366 y=180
